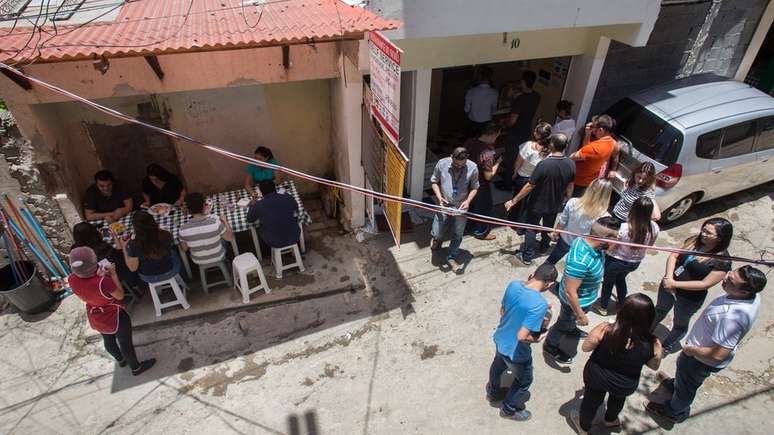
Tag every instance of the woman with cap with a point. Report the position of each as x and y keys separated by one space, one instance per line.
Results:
x=99 y=287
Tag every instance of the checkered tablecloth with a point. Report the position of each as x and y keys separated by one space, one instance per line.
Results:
x=225 y=202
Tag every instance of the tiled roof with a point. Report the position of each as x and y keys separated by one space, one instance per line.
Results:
x=166 y=26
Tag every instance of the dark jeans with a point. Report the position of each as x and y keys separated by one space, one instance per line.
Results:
x=522 y=379
x=564 y=325
x=689 y=376
x=530 y=238
x=455 y=225
x=482 y=204
x=517 y=212
x=592 y=399
x=120 y=345
x=561 y=248
x=578 y=191
x=615 y=275
x=684 y=309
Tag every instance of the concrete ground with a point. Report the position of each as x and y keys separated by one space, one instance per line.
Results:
x=408 y=352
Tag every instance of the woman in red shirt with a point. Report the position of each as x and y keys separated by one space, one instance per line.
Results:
x=100 y=288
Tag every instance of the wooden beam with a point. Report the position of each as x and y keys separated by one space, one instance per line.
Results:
x=19 y=80
x=286 y=56
x=153 y=61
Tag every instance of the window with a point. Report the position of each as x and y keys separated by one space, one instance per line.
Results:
x=707 y=144
x=648 y=133
x=737 y=140
x=766 y=137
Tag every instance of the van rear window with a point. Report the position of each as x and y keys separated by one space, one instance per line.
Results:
x=646 y=132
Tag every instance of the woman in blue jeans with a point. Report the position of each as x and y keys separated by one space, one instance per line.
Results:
x=689 y=277
x=622 y=260
x=150 y=252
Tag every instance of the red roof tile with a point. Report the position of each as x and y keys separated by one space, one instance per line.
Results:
x=156 y=26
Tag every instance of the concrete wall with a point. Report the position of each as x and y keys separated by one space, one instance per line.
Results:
x=705 y=37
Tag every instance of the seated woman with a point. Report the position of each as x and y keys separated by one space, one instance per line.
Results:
x=256 y=174
x=161 y=186
x=150 y=253
x=86 y=234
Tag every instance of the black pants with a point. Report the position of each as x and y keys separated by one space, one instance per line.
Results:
x=530 y=239
x=120 y=345
x=592 y=399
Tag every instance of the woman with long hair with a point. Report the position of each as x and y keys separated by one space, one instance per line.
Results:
x=689 y=277
x=86 y=234
x=150 y=253
x=530 y=154
x=161 y=186
x=640 y=184
x=618 y=352
x=579 y=215
x=621 y=260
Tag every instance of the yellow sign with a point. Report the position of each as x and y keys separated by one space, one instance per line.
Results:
x=395 y=171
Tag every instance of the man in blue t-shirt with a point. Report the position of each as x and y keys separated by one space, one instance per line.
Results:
x=579 y=287
x=521 y=320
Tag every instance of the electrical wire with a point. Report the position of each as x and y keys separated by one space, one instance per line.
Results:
x=82 y=8
x=244 y=16
x=32 y=35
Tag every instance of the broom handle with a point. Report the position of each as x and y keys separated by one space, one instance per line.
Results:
x=36 y=226
x=23 y=237
x=31 y=235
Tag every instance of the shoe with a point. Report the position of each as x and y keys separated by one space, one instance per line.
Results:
x=122 y=363
x=578 y=333
x=145 y=365
x=575 y=422
x=435 y=244
x=558 y=356
x=659 y=410
x=499 y=396
x=522 y=415
x=522 y=260
x=487 y=237
x=612 y=424
x=455 y=267
x=602 y=311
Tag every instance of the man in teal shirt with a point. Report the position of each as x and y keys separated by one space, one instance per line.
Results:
x=579 y=287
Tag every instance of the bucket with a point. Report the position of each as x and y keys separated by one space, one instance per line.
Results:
x=33 y=296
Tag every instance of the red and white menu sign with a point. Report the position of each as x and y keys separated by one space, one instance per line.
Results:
x=385 y=83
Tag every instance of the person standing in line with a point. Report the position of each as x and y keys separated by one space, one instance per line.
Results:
x=86 y=234
x=531 y=153
x=481 y=102
x=622 y=260
x=688 y=278
x=100 y=288
x=712 y=343
x=640 y=184
x=522 y=313
x=548 y=187
x=482 y=152
x=596 y=150
x=564 y=123
x=578 y=215
x=455 y=183
x=618 y=352
x=524 y=106
x=579 y=287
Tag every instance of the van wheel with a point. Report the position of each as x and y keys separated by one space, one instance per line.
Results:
x=678 y=209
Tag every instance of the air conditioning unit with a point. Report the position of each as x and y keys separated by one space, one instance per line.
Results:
x=12 y=8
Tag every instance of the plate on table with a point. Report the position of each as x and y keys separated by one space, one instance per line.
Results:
x=160 y=209
x=243 y=203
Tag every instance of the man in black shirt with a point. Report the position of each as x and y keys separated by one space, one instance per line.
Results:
x=276 y=214
x=105 y=199
x=549 y=186
x=524 y=107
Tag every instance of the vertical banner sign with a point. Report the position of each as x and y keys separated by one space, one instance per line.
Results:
x=385 y=108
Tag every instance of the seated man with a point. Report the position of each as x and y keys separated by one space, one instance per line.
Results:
x=105 y=199
x=205 y=233
x=276 y=214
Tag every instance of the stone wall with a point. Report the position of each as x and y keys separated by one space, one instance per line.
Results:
x=703 y=37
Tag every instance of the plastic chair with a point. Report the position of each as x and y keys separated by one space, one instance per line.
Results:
x=276 y=259
x=241 y=267
x=157 y=287
x=204 y=267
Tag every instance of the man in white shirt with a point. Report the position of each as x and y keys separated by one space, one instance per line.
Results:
x=564 y=123
x=712 y=342
x=481 y=102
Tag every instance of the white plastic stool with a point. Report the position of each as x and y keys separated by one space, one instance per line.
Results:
x=157 y=287
x=276 y=259
x=242 y=266
x=204 y=267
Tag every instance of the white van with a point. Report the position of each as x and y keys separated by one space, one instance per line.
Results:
x=707 y=137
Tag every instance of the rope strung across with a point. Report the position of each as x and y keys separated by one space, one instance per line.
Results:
x=369 y=192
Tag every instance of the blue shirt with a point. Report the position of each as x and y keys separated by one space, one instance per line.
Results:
x=587 y=265
x=523 y=307
x=261 y=174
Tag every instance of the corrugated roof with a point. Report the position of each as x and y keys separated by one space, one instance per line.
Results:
x=157 y=27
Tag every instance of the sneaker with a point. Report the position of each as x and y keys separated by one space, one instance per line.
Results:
x=612 y=424
x=575 y=422
x=435 y=244
x=522 y=260
x=659 y=410
x=145 y=365
x=522 y=415
x=122 y=363
x=558 y=356
x=602 y=311
x=455 y=267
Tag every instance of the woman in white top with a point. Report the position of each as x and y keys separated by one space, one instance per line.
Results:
x=579 y=215
x=622 y=260
x=638 y=185
x=531 y=153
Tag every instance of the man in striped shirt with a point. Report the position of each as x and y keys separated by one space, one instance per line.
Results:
x=204 y=234
x=579 y=287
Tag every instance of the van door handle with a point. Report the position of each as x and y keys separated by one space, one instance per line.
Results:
x=764 y=160
x=716 y=170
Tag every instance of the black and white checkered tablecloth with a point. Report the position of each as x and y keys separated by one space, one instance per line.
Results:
x=226 y=202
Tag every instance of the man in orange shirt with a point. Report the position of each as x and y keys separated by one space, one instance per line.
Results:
x=597 y=148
